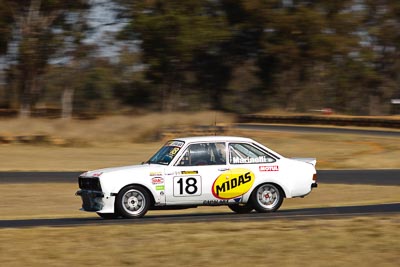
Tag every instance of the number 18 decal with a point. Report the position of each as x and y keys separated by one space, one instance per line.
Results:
x=187 y=186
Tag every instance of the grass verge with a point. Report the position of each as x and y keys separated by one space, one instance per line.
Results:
x=358 y=241
x=331 y=151
x=366 y=241
x=123 y=140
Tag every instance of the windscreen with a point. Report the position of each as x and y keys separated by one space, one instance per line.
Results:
x=167 y=153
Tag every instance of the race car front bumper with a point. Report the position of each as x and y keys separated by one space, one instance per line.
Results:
x=91 y=200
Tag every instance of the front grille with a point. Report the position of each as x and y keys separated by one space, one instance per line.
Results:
x=86 y=183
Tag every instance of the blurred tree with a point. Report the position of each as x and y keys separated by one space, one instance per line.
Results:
x=63 y=80
x=171 y=33
x=35 y=23
x=300 y=41
x=234 y=55
x=237 y=59
x=84 y=86
x=299 y=55
x=381 y=52
x=131 y=87
x=74 y=55
x=6 y=20
x=94 y=92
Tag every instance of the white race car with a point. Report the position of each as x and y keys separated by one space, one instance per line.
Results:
x=199 y=171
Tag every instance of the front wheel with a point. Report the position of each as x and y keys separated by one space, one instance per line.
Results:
x=133 y=202
x=267 y=198
x=241 y=208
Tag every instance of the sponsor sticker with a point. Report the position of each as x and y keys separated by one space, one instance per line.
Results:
x=155 y=173
x=274 y=168
x=233 y=183
x=157 y=180
x=260 y=159
x=97 y=174
x=215 y=202
x=174 y=151
x=160 y=187
x=175 y=143
x=189 y=172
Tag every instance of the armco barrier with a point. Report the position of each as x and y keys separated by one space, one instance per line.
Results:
x=321 y=120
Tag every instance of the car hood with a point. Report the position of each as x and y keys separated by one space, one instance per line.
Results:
x=130 y=169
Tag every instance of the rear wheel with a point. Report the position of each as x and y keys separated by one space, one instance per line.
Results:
x=241 y=208
x=133 y=202
x=267 y=198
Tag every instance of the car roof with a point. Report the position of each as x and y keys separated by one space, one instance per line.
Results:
x=214 y=139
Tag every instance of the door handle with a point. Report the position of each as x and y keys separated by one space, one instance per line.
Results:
x=224 y=169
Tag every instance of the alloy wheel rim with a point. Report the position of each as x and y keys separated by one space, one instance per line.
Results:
x=133 y=201
x=268 y=196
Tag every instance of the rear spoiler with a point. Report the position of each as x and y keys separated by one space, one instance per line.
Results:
x=312 y=161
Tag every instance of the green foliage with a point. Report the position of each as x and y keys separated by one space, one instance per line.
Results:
x=172 y=34
x=5 y=26
x=34 y=22
x=233 y=55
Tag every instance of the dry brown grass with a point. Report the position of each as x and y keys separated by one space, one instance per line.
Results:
x=331 y=151
x=53 y=158
x=110 y=129
x=335 y=151
x=122 y=140
x=359 y=241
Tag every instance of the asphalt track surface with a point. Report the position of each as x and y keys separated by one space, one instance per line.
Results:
x=375 y=177
x=310 y=213
x=372 y=177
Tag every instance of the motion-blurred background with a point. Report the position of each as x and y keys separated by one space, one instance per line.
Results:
x=87 y=84
x=91 y=57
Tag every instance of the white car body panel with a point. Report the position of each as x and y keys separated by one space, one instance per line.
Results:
x=171 y=185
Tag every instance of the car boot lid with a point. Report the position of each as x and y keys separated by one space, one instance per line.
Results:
x=312 y=161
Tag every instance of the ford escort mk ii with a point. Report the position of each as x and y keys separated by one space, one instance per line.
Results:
x=199 y=171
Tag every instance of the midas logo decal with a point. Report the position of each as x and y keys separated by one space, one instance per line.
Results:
x=233 y=183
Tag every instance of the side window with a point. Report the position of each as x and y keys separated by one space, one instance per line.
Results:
x=242 y=153
x=203 y=154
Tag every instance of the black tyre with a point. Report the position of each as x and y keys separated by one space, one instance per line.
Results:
x=132 y=202
x=108 y=216
x=267 y=198
x=241 y=208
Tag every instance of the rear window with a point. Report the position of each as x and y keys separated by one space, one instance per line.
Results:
x=243 y=153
